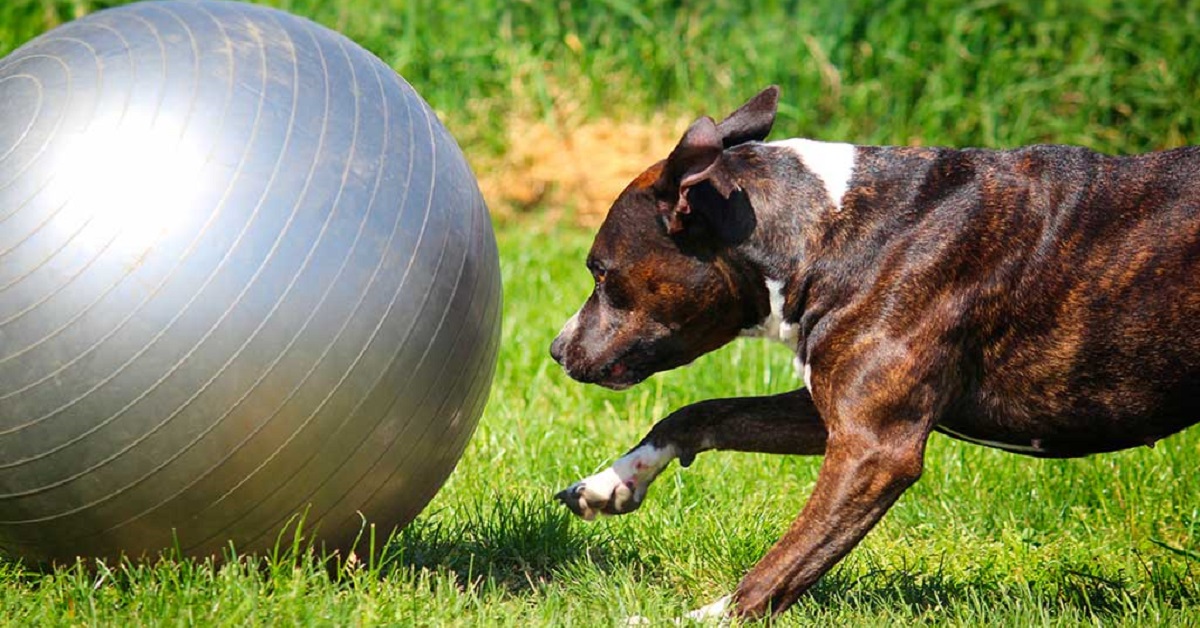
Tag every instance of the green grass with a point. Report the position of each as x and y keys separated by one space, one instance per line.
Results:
x=984 y=538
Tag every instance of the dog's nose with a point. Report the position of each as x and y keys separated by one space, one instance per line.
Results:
x=557 y=349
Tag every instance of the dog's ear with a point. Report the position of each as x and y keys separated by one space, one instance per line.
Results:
x=697 y=157
x=697 y=150
x=695 y=160
x=752 y=121
x=690 y=162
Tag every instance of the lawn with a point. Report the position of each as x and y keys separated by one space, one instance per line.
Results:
x=985 y=537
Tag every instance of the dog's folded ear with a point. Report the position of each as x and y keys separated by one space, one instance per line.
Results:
x=694 y=160
x=697 y=157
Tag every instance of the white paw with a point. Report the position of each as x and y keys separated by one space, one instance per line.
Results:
x=620 y=488
x=716 y=612
x=606 y=492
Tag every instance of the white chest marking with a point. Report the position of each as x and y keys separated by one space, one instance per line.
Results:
x=774 y=326
x=831 y=162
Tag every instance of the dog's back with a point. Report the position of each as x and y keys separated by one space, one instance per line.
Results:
x=1073 y=280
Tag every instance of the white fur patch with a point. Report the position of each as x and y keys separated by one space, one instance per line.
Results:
x=774 y=326
x=622 y=486
x=715 y=611
x=831 y=162
x=644 y=462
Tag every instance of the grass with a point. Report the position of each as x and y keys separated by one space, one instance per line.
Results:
x=984 y=538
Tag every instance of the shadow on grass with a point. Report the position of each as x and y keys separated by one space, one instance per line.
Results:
x=521 y=546
x=516 y=545
x=1068 y=587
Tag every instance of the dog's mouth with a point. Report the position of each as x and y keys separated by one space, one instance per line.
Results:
x=616 y=370
x=619 y=376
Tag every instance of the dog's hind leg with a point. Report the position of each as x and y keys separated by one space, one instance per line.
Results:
x=781 y=424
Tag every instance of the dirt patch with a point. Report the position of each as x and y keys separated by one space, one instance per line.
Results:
x=572 y=171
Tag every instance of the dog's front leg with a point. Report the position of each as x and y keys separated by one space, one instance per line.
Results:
x=868 y=464
x=780 y=424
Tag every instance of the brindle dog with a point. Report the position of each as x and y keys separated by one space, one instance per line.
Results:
x=1043 y=300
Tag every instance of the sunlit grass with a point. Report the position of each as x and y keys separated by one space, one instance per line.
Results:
x=984 y=538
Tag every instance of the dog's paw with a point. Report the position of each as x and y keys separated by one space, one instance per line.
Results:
x=717 y=612
x=606 y=492
x=620 y=488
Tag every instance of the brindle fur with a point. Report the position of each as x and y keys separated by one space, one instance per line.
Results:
x=1045 y=299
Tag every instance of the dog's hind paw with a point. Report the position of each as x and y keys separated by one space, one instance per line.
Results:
x=717 y=612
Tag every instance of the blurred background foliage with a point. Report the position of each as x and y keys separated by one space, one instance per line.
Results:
x=1115 y=75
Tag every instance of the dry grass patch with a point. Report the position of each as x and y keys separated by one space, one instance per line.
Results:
x=574 y=170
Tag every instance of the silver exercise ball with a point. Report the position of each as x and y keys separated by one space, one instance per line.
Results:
x=245 y=275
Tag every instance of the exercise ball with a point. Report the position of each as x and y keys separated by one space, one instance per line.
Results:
x=246 y=279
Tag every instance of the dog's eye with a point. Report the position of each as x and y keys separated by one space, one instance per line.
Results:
x=599 y=272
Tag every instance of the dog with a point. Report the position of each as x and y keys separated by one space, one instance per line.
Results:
x=1043 y=300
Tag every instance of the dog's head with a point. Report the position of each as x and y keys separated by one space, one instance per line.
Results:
x=669 y=284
